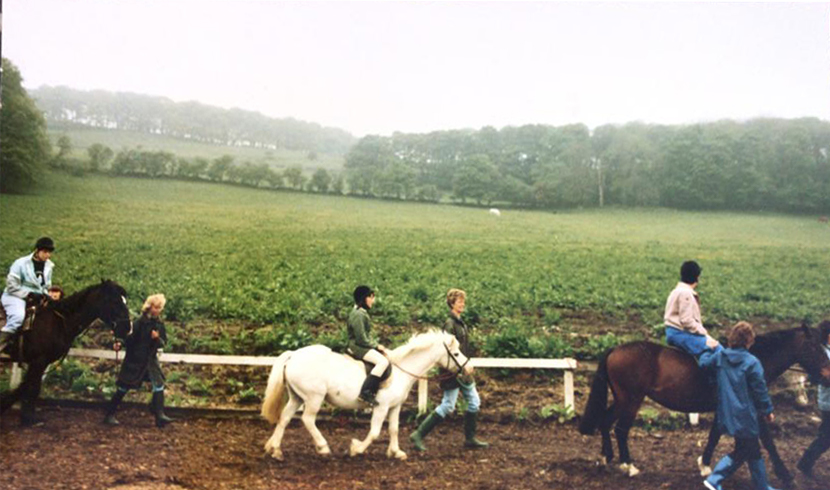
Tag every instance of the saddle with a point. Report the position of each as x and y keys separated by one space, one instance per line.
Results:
x=16 y=345
x=368 y=366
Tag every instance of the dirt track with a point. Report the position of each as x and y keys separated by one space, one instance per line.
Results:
x=73 y=450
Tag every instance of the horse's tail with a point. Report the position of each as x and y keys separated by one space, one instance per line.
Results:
x=275 y=398
x=598 y=399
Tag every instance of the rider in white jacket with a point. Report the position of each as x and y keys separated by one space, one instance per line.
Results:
x=30 y=274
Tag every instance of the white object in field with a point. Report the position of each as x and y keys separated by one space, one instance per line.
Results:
x=495 y=212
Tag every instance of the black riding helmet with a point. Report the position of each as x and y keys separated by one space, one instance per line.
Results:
x=45 y=243
x=690 y=272
x=360 y=295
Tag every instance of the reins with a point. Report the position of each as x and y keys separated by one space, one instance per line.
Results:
x=439 y=377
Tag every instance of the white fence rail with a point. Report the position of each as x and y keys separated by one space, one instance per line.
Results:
x=568 y=365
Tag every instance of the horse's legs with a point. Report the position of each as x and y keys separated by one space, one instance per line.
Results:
x=628 y=412
x=31 y=382
x=272 y=447
x=605 y=429
x=394 y=450
x=378 y=414
x=705 y=462
x=312 y=406
x=780 y=468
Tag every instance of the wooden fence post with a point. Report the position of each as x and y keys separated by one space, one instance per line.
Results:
x=17 y=376
x=569 y=389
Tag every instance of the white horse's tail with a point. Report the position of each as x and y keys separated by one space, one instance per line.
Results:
x=275 y=398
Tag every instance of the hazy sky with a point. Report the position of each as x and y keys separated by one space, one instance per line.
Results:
x=379 y=67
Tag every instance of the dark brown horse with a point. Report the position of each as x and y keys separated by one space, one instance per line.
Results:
x=672 y=378
x=55 y=328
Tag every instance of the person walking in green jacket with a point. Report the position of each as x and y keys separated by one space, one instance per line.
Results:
x=361 y=344
x=457 y=301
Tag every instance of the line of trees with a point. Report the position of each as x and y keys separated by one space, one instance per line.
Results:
x=65 y=107
x=762 y=164
x=136 y=162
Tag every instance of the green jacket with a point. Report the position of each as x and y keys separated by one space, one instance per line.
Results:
x=458 y=328
x=360 y=339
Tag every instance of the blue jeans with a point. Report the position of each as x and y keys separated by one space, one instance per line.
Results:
x=692 y=343
x=451 y=397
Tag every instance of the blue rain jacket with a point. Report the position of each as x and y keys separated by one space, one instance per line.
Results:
x=742 y=391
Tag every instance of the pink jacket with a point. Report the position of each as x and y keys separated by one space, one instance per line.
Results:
x=683 y=310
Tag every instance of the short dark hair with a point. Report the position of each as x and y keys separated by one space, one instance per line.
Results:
x=690 y=272
x=360 y=294
x=742 y=335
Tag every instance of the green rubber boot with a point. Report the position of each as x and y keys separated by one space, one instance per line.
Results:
x=425 y=428
x=470 y=426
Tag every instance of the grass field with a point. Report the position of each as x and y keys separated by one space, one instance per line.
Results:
x=277 y=264
x=118 y=140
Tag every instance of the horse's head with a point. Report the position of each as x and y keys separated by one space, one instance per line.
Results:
x=425 y=350
x=454 y=360
x=811 y=355
x=109 y=301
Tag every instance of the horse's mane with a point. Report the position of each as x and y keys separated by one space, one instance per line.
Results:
x=75 y=300
x=768 y=344
x=417 y=342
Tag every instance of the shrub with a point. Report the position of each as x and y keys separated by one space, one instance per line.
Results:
x=597 y=345
x=275 y=340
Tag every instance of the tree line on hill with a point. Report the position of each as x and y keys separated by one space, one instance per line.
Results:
x=64 y=107
x=137 y=162
x=761 y=164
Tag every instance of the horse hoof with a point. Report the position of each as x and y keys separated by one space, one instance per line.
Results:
x=324 y=451
x=353 y=448
x=629 y=470
x=705 y=470
x=277 y=454
x=400 y=455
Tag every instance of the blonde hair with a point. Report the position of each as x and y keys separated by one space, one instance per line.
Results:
x=453 y=295
x=154 y=299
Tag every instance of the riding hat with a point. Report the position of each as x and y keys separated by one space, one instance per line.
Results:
x=45 y=243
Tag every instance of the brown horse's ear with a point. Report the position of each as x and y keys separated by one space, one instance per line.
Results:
x=805 y=326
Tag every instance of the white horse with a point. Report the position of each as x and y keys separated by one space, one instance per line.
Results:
x=313 y=374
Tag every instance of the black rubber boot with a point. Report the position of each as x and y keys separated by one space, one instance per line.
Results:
x=425 y=428
x=158 y=409
x=370 y=389
x=5 y=340
x=112 y=407
x=470 y=427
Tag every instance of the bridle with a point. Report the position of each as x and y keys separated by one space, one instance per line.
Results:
x=439 y=377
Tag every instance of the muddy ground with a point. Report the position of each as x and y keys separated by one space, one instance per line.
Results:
x=73 y=450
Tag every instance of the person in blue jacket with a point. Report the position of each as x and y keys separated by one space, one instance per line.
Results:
x=742 y=395
x=822 y=442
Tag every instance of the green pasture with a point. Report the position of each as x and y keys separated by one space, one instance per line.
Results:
x=278 y=268
x=117 y=140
